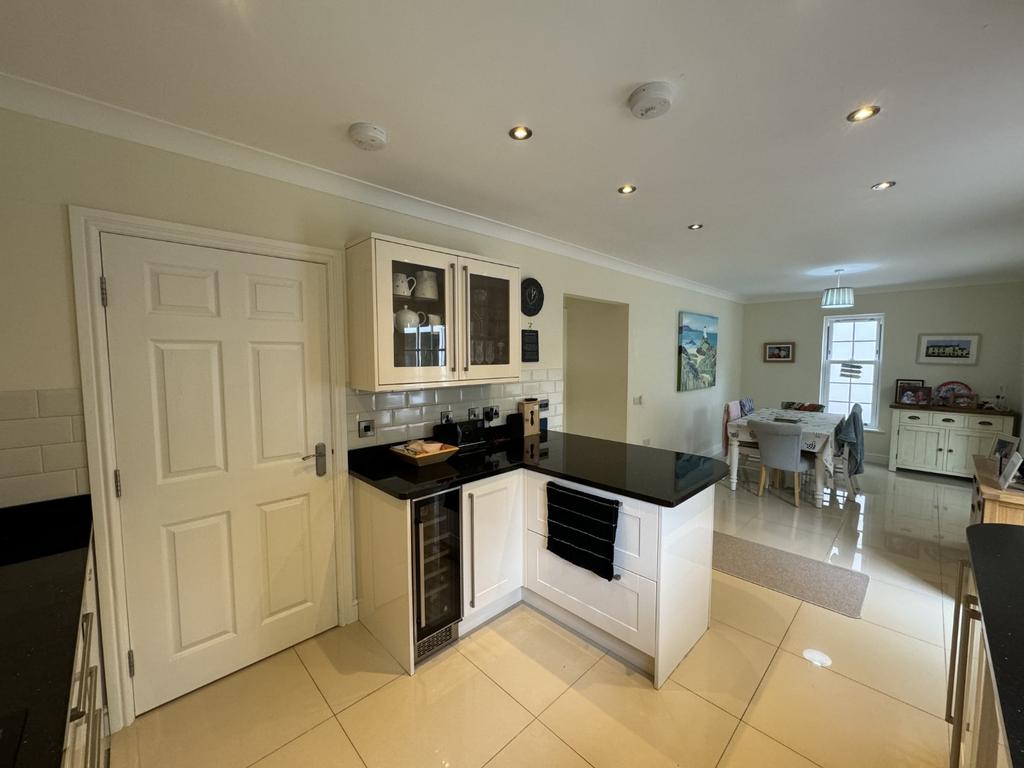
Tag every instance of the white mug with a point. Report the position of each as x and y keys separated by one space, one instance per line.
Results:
x=426 y=284
x=402 y=285
x=433 y=319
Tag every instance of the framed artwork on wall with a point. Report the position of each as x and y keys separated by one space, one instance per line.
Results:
x=903 y=384
x=948 y=348
x=779 y=351
x=696 y=352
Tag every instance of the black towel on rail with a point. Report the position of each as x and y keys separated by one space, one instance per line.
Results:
x=581 y=528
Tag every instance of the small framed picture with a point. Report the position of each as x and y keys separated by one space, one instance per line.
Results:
x=901 y=384
x=780 y=352
x=948 y=348
x=914 y=395
x=1004 y=447
x=1010 y=470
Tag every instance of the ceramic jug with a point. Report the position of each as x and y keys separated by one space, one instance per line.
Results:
x=426 y=285
x=402 y=285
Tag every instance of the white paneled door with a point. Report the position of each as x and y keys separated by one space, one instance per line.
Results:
x=220 y=386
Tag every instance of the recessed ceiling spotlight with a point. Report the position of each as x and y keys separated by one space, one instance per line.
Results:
x=817 y=658
x=695 y=227
x=520 y=133
x=861 y=114
x=627 y=189
x=883 y=185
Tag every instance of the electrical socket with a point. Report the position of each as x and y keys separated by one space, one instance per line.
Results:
x=490 y=413
x=366 y=428
x=447 y=417
x=474 y=413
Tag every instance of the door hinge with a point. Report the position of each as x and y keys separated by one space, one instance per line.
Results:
x=131 y=663
x=103 y=290
x=117 y=483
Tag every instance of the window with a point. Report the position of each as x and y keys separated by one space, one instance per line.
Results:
x=851 y=363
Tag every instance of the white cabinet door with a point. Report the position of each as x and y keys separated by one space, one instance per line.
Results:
x=921 y=447
x=961 y=448
x=415 y=314
x=625 y=607
x=489 y=340
x=219 y=380
x=492 y=529
x=636 y=538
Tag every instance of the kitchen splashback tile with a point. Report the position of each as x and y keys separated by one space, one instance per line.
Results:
x=60 y=402
x=63 y=456
x=389 y=400
x=18 y=404
x=20 y=461
x=21 y=433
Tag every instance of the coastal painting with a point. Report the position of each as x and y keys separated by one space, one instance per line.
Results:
x=697 y=351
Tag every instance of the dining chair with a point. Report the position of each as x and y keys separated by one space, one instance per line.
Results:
x=733 y=410
x=779 y=444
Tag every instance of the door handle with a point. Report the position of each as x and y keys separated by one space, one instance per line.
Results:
x=954 y=642
x=320 y=454
x=423 y=577
x=472 y=552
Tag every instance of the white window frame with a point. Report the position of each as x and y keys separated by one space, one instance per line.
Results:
x=871 y=423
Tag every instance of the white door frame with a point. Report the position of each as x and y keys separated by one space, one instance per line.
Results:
x=86 y=226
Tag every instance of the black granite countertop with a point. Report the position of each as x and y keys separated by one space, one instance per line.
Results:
x=997 y=557
x=666 y=478
x=43 y=557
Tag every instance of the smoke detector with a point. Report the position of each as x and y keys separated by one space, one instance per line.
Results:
x=368 y=136
x=651 y=100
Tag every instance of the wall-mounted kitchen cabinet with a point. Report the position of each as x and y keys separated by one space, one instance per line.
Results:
x=421 y=316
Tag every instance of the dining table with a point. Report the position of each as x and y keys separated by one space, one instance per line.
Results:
x=817 y=432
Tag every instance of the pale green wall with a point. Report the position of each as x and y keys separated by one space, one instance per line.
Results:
x=46 y=166
x=596 y=368
x=994 y=311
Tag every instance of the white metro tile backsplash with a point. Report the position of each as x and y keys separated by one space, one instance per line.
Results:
x=401 y=416
x=42 y=448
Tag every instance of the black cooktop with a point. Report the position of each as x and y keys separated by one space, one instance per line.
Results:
x=659 y=476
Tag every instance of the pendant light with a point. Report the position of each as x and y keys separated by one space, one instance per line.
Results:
x=838 y=297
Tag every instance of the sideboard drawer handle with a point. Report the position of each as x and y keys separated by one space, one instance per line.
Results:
x=913 y=418
x=985 y=423
x=949 y=421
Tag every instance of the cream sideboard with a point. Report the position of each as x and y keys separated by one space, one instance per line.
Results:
x=944 y=440
x=423 y=316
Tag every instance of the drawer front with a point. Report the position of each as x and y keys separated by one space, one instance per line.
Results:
x=624 y=607
x=921 y=418
x=949 y=419
x=984 y=422
x=636 y=538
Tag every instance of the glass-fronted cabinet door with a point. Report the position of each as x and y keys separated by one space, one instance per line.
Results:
x=489 y=320
x=415 y=314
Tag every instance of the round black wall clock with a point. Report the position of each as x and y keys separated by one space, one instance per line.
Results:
x=533 y=297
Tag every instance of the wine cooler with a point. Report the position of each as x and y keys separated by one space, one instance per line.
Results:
x=437 y=574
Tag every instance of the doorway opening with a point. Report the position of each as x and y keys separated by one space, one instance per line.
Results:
x=596 y=351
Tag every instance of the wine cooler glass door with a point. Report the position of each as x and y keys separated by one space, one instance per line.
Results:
x=437 y=559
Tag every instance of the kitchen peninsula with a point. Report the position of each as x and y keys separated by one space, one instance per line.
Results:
x=443 y=549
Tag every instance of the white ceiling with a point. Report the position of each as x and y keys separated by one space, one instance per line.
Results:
x=756 y=146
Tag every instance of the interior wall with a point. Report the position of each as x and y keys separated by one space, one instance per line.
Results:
x=993 y=311
x=47 y=166
x=596 y=368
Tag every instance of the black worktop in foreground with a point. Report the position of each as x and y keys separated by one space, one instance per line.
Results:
x=997 y=557
x=662 y=477
x=43 y=555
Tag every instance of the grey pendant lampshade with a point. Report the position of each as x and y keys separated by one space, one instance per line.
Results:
x=838 y=297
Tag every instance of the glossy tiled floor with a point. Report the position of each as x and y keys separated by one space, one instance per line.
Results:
x=523 y=691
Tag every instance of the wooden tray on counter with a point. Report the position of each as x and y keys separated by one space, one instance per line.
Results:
x=425 y=459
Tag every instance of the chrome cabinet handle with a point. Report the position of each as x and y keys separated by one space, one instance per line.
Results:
x=423 y=579
x=451 y=331
x=320 y=454
x=465 y=275
x=970 y=613
x=954 y=639
x=97 y=740
x=79 y=711
x=472 y=552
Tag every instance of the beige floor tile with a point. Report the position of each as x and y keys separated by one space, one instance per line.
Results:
x=536 y=747
x=751 y=608
x=730 y=518
x=347 y=663
x=613 y=717
x=750 y=748
x=234 y=721
x=326 y=746
x=725 y=667
x=906 y=610
x=788 y=538
x=903 y=561
x=838 y=723
x=449 y=713
x=825 y=522
x=906 y=668
x=530 y=656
